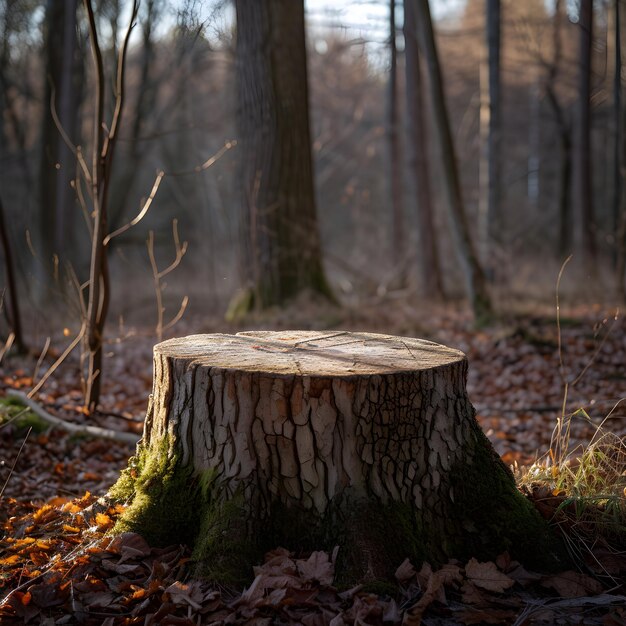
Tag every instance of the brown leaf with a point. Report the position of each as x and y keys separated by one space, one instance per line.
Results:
x=522 y=576
x=405 y=571
x=572 y=584
x=190 y=594
x=473 y=595
x=413 y=616
x=317 y=567
x=129 y=545
x=487 y=576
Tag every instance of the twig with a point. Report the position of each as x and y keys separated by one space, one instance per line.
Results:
x=76 y=429
x=159 y=275
x=42 y=356
x=142 y=212
x=58 y=362
x=7 y=345
x=19 y=452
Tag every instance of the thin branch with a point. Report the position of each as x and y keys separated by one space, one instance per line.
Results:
x=180 y=252
x=157 y=285
x=178 y=316
x=107 y=148
x=58 y=362
x=208 y=163
x=7 y=346
x=158 y=275
x=78 y=189
x=75 y=429
x=75 y=150
x=141 y=214
x=19 y=452
x=42 y=356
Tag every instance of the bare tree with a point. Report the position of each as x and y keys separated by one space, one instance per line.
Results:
x=490 y=135
x=58 y=165
x=419 y=163
x=564 y=130
x=395 y=156
x=474 y=275
x=620 y=157
x=614 y=46
x=98 y=179
x=280 y=241
x=582 y=153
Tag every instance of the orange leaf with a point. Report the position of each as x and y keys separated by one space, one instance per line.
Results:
x=44 y=514
x=58 y=501
x=103 y=521
x=70 y=529
x=10 y=560
x=70 y=507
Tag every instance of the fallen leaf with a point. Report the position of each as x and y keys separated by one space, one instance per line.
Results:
x=487 y=576
x=317 y=567
x=405 y=571
x=572 y=584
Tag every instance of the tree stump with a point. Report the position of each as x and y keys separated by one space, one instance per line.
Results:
x=311 y=440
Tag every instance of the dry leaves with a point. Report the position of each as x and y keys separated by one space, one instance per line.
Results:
x=55 y=561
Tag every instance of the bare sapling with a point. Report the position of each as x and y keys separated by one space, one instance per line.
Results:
x=92 y=187
x=159 y=275
x=103 y=149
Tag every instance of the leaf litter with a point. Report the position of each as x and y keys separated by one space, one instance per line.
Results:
x=58 y=566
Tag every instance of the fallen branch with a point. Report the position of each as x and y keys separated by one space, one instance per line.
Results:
x=75 y=429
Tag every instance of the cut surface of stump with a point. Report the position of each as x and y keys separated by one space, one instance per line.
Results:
x=311 y=440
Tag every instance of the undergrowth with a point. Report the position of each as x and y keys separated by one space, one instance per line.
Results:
x=582 y=489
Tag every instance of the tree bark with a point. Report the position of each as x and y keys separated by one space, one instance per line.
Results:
x=583 y=177
x=281 y=253
x=475 y=280
x=490 y=135
x=564 y=132
x=398 y=252
x=15 y=319
x=419 y=167
x=310 y=440
x=58 y=165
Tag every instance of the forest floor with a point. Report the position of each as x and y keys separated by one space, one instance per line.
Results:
x=58 y=565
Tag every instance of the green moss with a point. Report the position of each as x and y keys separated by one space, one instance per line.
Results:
x=495 y=515
x=169 y=503
x=223 y=550
x=14 y=412
x=162 y=496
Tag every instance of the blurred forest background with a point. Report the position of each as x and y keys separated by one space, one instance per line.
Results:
x=533 y=92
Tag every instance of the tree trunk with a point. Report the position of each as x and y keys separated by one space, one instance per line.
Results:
x=565 y=135
x=313 y=440
x=58 y=165
x=15 y=318
x=280 y=243
x=621 y=231
x=490 y=136
x=583 y=177
x=474 y=274
x=398 y=252
x=417 y=149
